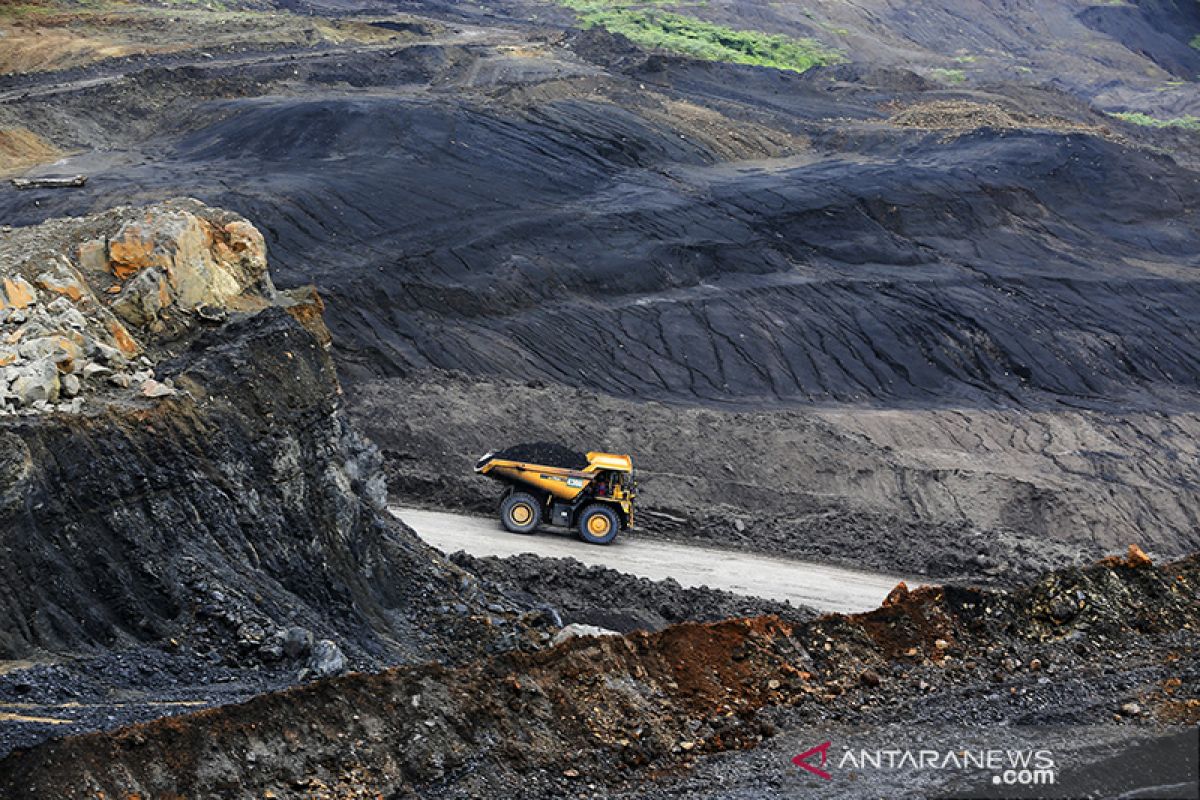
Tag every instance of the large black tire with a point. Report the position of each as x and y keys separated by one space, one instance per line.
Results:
x=598 y=524
x=520 y=513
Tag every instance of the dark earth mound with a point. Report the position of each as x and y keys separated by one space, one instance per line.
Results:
x=862 y=264
x=609 y=599
x=547 y=453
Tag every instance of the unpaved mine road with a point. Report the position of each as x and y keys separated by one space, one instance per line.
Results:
x=818 y=586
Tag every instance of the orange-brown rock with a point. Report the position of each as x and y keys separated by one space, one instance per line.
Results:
x=19 y=293
x=61 y=285
x=1134 y=557
x=1137 y=557
x=309 y=310
x=125 y=343
x=896 y=595
x=202 y=261
x=135 y=249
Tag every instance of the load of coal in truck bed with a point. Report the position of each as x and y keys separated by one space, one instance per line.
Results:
x=547 y=453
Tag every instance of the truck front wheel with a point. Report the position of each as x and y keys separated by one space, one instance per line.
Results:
x=520 y=512
x=598 y=524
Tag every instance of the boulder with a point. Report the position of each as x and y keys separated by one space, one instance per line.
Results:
x=18 y=292
x=64 y=314
x=36 y=381
x=93 y=255
x=153 y=388
x=171 y=256
x=575 y=630
x=106 y=353
x=143 y=298
x=69 y=385
x=59 y=350
x=297 y=642
x=62 y=280
x=93 y=370
x=326 y=660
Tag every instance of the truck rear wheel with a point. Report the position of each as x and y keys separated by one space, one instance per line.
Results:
x=520 y=512
x=598 y=524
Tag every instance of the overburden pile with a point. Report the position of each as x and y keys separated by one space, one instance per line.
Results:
x=547 y=453
x=610 y=711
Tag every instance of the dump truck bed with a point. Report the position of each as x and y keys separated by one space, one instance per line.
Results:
x=565 y=484
x=561 y=482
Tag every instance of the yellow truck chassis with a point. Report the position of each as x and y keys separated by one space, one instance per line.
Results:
x=596 y=501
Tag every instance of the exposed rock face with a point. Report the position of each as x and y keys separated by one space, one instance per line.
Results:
x=209 y=488
x=174 y=258
x=134 y=287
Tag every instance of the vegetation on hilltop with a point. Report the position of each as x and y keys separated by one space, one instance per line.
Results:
x=649 y=25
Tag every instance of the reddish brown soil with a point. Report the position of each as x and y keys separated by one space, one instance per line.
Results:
x=614 y=710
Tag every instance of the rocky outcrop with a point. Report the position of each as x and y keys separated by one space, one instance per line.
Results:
x=176 y=467
x=80 y=319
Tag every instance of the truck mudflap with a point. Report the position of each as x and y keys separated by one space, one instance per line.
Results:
x=560 y=514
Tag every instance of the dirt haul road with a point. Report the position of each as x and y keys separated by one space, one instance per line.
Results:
x=817 y=586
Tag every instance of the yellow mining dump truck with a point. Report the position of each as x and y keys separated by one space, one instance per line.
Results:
x=592 y=493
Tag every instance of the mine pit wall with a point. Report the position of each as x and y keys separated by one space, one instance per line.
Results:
x=112 y=521
x=203 y=490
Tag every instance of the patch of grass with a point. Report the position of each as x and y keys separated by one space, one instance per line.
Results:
x=647 y=25
x=950 y=75
x=1188 y=123
x=1195 y=42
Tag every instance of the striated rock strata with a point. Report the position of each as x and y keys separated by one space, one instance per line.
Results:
x=175 y=465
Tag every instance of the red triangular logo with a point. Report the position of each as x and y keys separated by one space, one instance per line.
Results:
x=802 y=760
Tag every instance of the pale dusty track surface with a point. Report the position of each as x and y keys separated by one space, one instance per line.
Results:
x=818 y=586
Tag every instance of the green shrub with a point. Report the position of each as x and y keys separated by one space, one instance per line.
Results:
x=679 y=33
x=1137 y=118
x=950 y=75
